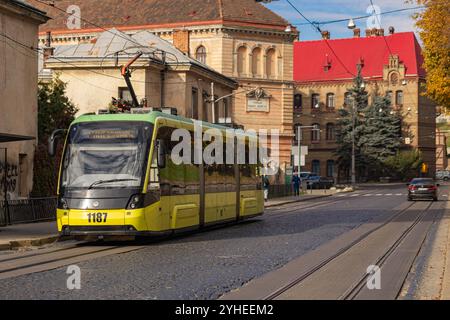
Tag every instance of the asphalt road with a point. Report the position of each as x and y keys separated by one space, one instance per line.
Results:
x=207 y=265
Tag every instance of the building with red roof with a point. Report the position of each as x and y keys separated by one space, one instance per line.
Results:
x=390 y=65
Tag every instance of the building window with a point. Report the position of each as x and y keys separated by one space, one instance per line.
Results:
x=330 y=100
x=394 y=78
x=399 y=98
x=315 y=133
x=348 y=99
x=125 y=94
x=224 y=112
x=200 y=54
x=256 y=62
x=271 y=63
x=298 y=102
x=389 y=97
x=194 y=106
x=330 y=168
x=242 y=63
x=315 y=101
x=331 y=132
x=206 y=104
x=315 y=167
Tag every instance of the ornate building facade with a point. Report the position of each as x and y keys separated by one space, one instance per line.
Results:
x=324 y=72
x=241 y=39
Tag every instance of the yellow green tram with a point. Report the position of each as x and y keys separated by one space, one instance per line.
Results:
x=117 y=178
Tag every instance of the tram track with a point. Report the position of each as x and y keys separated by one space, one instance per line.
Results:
x=288 y=208
x=43 y=261
x=19 y=264
x=290 y=283
x=316 y=268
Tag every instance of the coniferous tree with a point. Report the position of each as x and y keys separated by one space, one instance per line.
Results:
x=380 y=133
x=355 y=105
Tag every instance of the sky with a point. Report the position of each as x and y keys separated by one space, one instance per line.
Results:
x=326 y=10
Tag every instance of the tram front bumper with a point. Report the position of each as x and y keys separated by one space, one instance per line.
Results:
x=106 y=222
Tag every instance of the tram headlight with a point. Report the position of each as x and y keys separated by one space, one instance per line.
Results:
x=135 y=202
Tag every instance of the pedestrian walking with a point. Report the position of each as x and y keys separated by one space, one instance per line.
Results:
x=266 y=184
x=296 y=181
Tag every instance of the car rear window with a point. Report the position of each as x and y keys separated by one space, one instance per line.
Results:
x=421 y=181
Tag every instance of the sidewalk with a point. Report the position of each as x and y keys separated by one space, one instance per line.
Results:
x=316 y=194
x=26 y=235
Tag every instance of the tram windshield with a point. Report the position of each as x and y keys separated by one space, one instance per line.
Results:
x=104 y=155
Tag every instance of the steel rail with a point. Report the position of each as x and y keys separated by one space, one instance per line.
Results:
x=355 y=289
x=339 y=253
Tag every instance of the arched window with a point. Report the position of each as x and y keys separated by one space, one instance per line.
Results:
x=330 y=168
x=256 y=62
x=315 y=133
x=399 y=98
x=242 y=57
x=315 y=167
x=394 y=78
x=331 y=101
x=200 y=54
x=271 y=63
x=298 y=102
x=331 y=132
x=315 y=101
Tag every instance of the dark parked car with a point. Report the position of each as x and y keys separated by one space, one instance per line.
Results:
x=422 y=188
x=318 y=182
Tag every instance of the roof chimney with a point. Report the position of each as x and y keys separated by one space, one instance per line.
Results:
x=372 y=32
x=380 y=32
x=181 y=40
x=326 y=35
x=357 y=33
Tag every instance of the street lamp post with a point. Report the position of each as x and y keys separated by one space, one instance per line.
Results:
x=353 y=144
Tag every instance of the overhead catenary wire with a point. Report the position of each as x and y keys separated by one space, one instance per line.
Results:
x=317 y=28
x=320 y=23
x=40 y=51
x=388 y=46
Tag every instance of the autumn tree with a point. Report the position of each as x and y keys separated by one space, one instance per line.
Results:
x=433 y=24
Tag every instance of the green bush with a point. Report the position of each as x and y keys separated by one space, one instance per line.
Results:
x=405 y=165
x=55 y=111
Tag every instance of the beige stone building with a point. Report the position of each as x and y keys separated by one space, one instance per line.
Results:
x=324 y=72
x=19 y=23
x=162 y=75
x=241 y=39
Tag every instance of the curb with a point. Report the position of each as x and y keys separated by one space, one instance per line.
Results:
x=299 y=200
x=15 y=244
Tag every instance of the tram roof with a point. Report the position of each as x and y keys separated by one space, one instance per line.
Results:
x=150 y=117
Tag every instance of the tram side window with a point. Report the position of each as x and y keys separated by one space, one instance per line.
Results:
x=153 y=182
x=172 y=177
x=230 y=179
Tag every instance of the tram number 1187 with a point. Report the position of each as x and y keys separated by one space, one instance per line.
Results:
x=97 y=217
